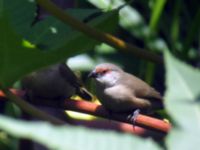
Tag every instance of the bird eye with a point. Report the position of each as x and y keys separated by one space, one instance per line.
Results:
x=104 y=71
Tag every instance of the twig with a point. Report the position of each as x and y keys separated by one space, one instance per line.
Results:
x=97 y=34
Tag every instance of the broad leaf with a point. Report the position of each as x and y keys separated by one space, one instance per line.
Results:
x=48 y=33
x=182 y=102
x=17 y=59
x=74 y=138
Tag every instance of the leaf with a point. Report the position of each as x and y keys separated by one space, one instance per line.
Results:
x=18 y=59
x=182 y=102
x=74 y=138
x=49 y=33
x=133 y=21
x=129 y=18
x=157 y=9
x=14 y=57
x=175 y=24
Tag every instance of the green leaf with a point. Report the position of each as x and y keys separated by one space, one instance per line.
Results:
x=49 y=33
x=129 y=18
x=14 y=57
x=182 y=103
x=74 y=138
x=175 y=25
x=17 y=58
x=133 y=21
x=156 y=13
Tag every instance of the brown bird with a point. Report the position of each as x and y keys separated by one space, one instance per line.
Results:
x=122 y=92
x=50 y=86
x=54 y=82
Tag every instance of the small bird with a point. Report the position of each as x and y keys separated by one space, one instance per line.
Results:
x=50 y=86
x=54 y=82
x=122 y=92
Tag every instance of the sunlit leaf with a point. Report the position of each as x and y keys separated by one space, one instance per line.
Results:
x=182 y=102
x=74 y=138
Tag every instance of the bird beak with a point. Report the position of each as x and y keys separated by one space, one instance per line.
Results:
x=93 y=74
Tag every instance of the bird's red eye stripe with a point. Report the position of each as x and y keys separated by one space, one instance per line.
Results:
x=102 y=71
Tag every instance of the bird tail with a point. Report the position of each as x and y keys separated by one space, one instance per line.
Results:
x=156 y=94
x=85 y=94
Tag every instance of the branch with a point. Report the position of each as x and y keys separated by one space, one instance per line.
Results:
x=89 y=108
x=97 y=34
x=100 y=111
x=81 y=106
x=26 y=107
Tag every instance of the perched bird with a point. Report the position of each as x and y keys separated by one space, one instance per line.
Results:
x=51 y=86
x=122 y=92
x=54 y=82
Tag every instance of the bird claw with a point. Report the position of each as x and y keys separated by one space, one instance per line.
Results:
x=134 y=116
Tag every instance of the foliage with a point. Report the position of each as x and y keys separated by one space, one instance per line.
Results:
x=30 y=57
x=74 y=138
x=25 y=48
x=182 y=103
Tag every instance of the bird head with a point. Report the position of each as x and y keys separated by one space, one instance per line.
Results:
x=106 y=74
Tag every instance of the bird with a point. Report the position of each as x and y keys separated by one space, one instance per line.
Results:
x=48 y=88
x=54 y=82
x=121 y=92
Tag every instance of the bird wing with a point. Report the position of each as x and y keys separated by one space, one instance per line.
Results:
x=140 y=88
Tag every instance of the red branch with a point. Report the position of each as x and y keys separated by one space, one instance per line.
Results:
x=143 y=121
x=100 y=111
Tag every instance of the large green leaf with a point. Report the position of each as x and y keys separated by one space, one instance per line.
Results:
x=74 y=138
x=182 y=102
x=17 y=59
x=14 y=57
x=49 y=33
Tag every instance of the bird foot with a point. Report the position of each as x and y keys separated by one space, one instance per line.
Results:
x=134 y=116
